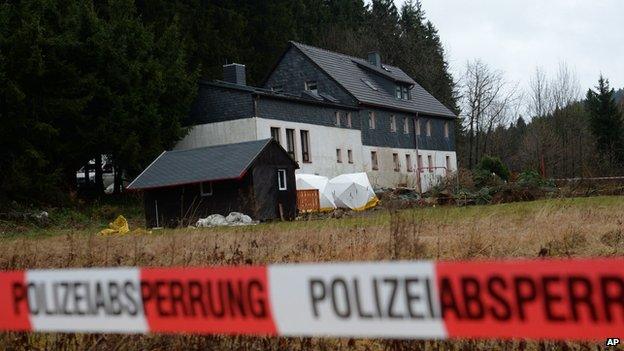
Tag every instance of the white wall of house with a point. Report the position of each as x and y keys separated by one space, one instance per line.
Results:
x=323 y=143
x=386 y=176
x=219 y=133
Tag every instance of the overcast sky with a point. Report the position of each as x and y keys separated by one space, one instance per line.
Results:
x=515 y=36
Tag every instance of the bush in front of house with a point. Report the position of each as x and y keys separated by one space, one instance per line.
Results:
x=494 y=165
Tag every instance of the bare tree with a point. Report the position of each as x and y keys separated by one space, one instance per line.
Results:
x=503 y=110
x=539 y=94
x=565 y=87
x=486 y=101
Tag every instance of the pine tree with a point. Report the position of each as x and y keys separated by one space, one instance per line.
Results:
x=606 y=121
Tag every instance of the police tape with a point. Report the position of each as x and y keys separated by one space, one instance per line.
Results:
x=560 y=299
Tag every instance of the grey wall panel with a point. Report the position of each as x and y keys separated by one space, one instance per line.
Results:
x=295 y=69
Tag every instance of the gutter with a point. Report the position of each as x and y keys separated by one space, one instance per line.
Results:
x=418 y=180
x=391 y=108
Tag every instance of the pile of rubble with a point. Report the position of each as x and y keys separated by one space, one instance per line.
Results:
x=399 y=197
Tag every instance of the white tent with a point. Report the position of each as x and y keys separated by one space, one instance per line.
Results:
x=353 y=191
x=310 y=182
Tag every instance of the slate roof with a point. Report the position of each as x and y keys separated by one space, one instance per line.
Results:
x=203 y=164
x=350 y=72
x=305 y=97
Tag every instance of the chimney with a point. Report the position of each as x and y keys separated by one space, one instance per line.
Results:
x=374 y=58
x=234 y=73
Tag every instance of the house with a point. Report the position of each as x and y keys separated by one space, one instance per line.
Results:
x=254 y=177
x=333 y=114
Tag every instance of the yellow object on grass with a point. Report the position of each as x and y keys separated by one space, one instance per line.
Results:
x=120 y=226
x=370 y=204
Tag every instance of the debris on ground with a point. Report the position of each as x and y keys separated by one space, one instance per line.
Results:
x=120 y=227
x=41 y=218
x=401 y=197
x=338 y=213
x=217 y=220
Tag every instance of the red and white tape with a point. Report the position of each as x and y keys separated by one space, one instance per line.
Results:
x=562 y=299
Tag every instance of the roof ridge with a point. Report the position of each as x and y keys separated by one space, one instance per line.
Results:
x=327 y=50
x=214 y=146
x=363 y=60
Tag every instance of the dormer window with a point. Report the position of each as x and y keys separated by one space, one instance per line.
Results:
x=311 y=86
x=402 y=92
x=405 y=93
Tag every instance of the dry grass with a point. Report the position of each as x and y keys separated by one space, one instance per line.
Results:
x=583 y=227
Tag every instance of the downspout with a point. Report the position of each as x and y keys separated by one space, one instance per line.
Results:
x=418 y=186
x=255 y=114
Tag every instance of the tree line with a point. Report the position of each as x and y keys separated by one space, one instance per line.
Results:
x=552 y=127
x=81 y=79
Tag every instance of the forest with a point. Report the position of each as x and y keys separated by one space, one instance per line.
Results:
x=80 y=79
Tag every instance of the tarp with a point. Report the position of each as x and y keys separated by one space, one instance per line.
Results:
x=353 y=190
x=120 y=226
x=233 y=219
x=311 y=182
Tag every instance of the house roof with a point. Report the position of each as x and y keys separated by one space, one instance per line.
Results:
x=220 y=162
x=305 y=97
x=353 y=72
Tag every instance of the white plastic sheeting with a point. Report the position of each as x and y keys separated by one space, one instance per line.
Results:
x=311 y=182
x=233 y=219
x=352 y=190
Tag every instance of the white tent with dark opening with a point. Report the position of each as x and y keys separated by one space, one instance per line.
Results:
x=353 y=191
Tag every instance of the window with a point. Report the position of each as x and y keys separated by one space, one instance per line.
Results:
x=371 y=119
x=338 y=155
x=290 y=143
x=275 y=134
x=369 y=84
x=392 y=123
x=311 y=86
x=448 y=164
x=405 y=125
x=446 y=129
x=337 y=119
x=350 y=156
x=349 y=124
x=305 y=146
x=430 y=162
x=428 y=128
x=205 y=188
x=401 y=92
x=281 y=179
x=417 y=127
x=408 y=162
x=420 y=163
x=397 y=164
x=374 y=163
x=278 y=88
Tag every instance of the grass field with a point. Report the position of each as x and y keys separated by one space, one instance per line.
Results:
x=578 y=227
